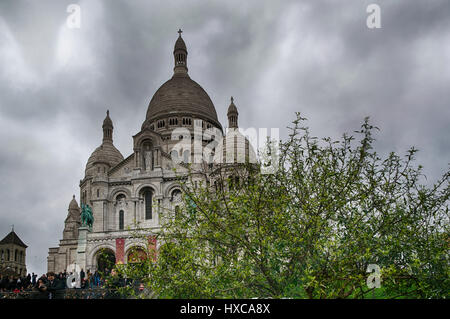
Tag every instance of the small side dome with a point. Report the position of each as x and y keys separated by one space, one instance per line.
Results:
x=107 y=154
x=74 y=213
x=234 y=148
x=73 y=204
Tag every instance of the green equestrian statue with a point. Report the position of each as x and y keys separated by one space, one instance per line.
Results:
x=87 y=218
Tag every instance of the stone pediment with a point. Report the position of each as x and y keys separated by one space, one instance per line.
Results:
x=123 y=168
x=148 y=134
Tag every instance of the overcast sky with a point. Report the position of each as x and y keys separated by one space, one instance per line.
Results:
x=274 y=57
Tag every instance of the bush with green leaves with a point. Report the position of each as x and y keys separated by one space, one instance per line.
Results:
x=310 y=229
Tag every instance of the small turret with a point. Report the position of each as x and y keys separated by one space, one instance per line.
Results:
x=232 y=115
x=107 y=128
x=106 y=155
x=73 y=221
x=180 y=55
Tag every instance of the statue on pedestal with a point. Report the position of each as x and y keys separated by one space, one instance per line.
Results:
x=87 y=218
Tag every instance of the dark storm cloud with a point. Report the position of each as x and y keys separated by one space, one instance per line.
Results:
x=274 y=57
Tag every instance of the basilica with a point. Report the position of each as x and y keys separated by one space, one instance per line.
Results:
x=132 y=192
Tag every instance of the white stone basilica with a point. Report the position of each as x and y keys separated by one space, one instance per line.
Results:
x=124 y=192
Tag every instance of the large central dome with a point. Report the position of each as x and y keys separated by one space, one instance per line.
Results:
x=181 y=96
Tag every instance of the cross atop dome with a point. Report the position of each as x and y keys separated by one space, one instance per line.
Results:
x=180 y=55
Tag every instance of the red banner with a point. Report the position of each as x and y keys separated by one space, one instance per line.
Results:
x=153 y=252
x=120 y=250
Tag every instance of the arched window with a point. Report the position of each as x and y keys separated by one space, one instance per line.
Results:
x=187 y=121
x=176 y=199
x=2 y=255
x=161 y=124
x=105 y=259
x=148 y=197
x=120 y=197
x=176 y=195
x=15 y=254
x=136 y=255
x=121 y=220
x=8 y=255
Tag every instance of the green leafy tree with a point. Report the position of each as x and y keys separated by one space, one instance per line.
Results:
x=310 y=229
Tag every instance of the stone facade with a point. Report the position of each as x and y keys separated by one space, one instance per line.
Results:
x=13 y=255
x=140 y=190
x=66 y=253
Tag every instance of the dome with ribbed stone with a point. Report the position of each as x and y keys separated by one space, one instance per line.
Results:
x=235 y=148
x=107 y=154
x=181 y=95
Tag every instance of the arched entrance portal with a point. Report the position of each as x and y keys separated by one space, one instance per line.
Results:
x=106 y=259
x=136 y=255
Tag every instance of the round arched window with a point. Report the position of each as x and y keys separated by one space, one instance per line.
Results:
x=120 y=198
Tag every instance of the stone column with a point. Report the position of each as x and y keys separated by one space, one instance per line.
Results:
x=105 y=216
x=138 y=156
x=82 y=243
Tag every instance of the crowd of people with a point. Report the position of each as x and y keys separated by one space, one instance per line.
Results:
x=31 y=282
x=16 y=283
x=59 y=285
